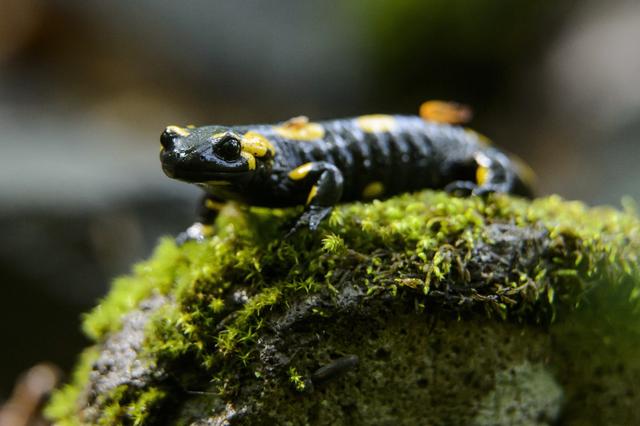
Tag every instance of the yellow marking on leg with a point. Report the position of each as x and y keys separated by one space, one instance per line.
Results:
x=376 y=123
x=445 y=112
x=256 y=144
x=312 y=194
x=177 y=130
x=482 y=175
x=300 y=172
x=213 y=205
x=299 y=128
x=251 y=160
x=373 y=190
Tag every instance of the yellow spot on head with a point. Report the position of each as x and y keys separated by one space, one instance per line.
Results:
x=299 y=128
x=376 y=123
x=482 y=175
x=251 y=160
x=177 y=130
x=256 y=144
x=445 y=112
x=300 y=172
x=312 y=194
x=373 y=190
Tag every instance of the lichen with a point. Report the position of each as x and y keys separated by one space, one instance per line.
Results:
x=523 y=394
x=502 y=258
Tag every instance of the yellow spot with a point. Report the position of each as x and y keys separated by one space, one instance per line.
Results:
x=299 y=128
x=373 y=190
x=300 y=172
x=312 y=193
x=251 y=160
x=445 y=112
x=191 y=126
x=482 y=175
x=213 y=205
x=177 y=130
x=376 y=123
x=256 y=144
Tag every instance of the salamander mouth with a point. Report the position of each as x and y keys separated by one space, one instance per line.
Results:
x=199 y=176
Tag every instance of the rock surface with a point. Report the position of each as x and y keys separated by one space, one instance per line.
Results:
x=422 y=309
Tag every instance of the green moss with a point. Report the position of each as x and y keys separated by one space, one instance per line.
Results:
x=157 y=274
x=296 y=380
x=224 y=291
x=63 y=404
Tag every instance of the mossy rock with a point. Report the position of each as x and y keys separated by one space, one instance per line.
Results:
x=422 y=309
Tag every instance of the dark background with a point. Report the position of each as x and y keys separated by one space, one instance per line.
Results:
x=86 y=86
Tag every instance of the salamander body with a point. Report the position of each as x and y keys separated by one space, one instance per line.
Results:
x=320 y=164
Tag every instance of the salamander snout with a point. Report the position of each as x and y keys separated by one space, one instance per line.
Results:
x=166 y=140
x=170 y=135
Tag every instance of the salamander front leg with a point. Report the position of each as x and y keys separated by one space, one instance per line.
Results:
x=207 y=213
x=492 y=174
x=323 y=183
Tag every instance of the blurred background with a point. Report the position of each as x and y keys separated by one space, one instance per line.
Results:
x=86 y=87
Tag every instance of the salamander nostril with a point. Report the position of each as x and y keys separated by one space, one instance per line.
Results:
x=167 y=140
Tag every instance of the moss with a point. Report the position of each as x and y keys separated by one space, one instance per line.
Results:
x=229 y=304
x=63 y=404
x=296 y=380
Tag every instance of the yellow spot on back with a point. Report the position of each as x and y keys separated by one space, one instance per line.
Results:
x=180 y=131
x=251 y=160
x=312 y=194
x=300 y=172
x=445 y=112
x=299 y=128
x=482 y=175
x=256 y=144
x=373 y=190
x=376 y=123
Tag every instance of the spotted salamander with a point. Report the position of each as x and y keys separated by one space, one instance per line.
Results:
x=320 y=164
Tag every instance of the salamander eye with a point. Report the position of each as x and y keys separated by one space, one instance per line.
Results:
x=228 y=148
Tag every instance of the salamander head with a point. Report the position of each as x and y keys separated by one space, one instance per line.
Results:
x=212 y=153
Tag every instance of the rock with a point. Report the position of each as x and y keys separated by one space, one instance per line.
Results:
x=422 y=309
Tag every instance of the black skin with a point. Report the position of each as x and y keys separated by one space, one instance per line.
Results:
x=413 y=154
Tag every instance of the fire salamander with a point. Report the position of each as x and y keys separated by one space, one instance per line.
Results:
x=320 y=164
